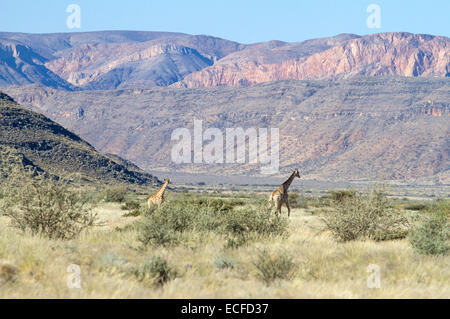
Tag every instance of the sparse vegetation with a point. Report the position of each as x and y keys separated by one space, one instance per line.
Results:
x=207 y=246
x=165 y=225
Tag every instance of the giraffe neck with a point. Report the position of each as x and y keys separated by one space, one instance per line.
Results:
x=288 y=182
x=162 y=190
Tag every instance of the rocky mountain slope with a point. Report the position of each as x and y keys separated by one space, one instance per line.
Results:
x=395 y=54
x=357 y=128
x=106 y=60
x=129 y=59
x=48 y=147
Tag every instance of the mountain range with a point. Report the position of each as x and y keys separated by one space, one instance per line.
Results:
x=348 y=107
x=129 y=59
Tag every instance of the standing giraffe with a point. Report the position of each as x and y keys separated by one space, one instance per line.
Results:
x=280 y=195
x=158 y=197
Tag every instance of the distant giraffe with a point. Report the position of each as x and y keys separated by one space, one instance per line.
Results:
x=158 y=197
x=280 y=195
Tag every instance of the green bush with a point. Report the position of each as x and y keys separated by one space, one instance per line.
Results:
x=259 y=221
x=273 y=266
x=155 y=271
x=131 y=205
x=115 y=194
x=153 y=231
x=297 y=201
x=341 y=194
x=43 y=205
x=432 y=236
x=365 y=216
x=222 y=263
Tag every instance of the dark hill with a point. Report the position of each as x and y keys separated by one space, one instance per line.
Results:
x=47 y=146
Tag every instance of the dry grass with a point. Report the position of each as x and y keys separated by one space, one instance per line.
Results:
x=324 y=268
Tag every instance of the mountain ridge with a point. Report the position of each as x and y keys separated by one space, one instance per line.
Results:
x=139 y=59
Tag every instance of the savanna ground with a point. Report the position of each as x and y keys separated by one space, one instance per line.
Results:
x=123 y=256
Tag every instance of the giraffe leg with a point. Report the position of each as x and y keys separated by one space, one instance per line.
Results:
x=279 y=203
x=288 y=207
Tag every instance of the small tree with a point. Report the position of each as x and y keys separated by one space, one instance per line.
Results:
x=365 y=216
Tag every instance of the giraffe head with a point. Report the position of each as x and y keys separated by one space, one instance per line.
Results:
x=167 y=180
x=297 y=173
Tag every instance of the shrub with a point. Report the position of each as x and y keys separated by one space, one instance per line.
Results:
x=165 y=224
x=273 y=266
x=259 y=221
x=222 y=263
x=44 y=205
x=341 y=194
x=235 y=242
x=115 y=194
x=133 y=213
x=416 y=207
x=432 y=236
x=155 y=271
x=365 y=216
x=153 y=231
x=297 y=201
x=131 y=205
x=440 y=207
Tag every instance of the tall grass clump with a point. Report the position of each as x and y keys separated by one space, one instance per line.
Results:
x=432 y=236
x=274 y=266
x=154 y=271
x=365 y=216
x=41 y=204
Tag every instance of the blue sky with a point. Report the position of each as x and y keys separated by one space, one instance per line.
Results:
x=245 y=21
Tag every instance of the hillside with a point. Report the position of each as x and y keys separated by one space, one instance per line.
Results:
x=352 y=129
x=132 y=59
x=48 y=147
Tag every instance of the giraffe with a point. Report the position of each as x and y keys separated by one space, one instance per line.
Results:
x=158 y=197
x=280 y=195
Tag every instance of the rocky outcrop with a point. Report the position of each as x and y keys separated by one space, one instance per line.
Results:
x=396 y=54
